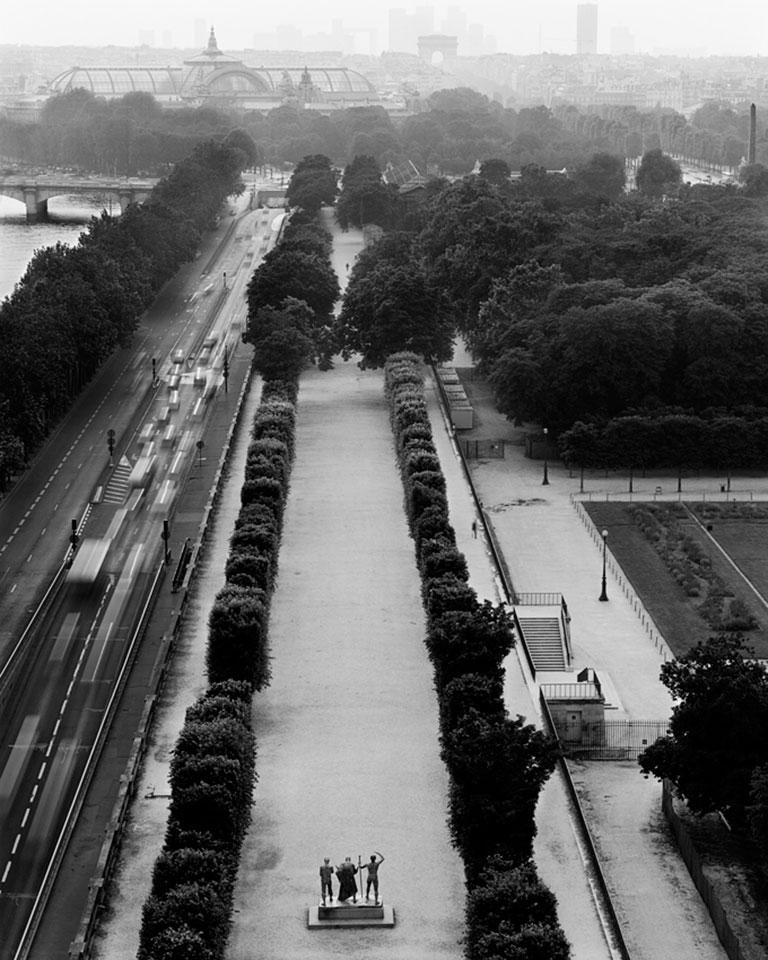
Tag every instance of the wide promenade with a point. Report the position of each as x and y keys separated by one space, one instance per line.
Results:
x=347 y=733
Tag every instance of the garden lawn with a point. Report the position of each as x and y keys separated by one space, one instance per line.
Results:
x=665 y=600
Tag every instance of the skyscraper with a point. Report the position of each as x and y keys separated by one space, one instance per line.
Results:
x=586 y=28
x=400 y=34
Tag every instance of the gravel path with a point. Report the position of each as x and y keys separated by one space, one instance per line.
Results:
x=348 y=758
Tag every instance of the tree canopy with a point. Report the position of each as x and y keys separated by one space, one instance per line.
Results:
x=717 y=731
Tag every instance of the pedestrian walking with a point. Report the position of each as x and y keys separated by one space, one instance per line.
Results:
x=474 y=529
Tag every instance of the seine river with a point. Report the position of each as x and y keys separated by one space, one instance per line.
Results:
x=19 y=240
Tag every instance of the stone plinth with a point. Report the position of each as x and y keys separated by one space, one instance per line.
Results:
x=349 y=914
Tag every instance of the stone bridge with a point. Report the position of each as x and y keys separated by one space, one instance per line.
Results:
x=35 y=191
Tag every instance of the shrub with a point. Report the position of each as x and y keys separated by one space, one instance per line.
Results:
x=467 y=692
x=237 y=637
x=256 y=536
x=432 y=524
x=195 y=908
x=264 y=490
x=175 y=868
x=249 y=568
x=272 y=468
x=419 y=460
x=438 y=559
x=421 y=497
x=449 y=593
x=470 y=641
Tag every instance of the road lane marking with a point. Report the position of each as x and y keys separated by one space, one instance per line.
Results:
x=6 y=871
x=41 y=772
x=25 y=818
x=16 y=843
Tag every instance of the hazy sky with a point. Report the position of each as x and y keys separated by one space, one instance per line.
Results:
x=519 y=26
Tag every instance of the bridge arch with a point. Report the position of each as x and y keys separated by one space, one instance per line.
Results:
x=35 y=193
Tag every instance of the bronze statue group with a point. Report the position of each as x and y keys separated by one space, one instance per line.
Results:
x=345 y=874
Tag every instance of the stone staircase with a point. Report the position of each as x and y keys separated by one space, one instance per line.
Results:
x=544 y=640
x=117 y=488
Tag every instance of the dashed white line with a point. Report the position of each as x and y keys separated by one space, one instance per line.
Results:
x=50 y=747
x=15 y=585
x=33 y=795
x=25 y=818
x=41 y=772
x=6 y=872
x=29 y=558
x=16 y=843
x=56 y=727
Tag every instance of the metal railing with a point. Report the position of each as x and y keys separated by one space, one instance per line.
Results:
x=588 y=690
x=690 y=855
x=549 y=599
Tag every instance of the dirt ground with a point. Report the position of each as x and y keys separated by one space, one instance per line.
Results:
x=348 y=759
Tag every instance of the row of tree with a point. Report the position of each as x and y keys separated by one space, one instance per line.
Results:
x=669 y=439
x=292 y=293
x=449 y=134
x=716 y=133
x=75 y=305
x=189 y=910
x=127 y=136
x=497 y=765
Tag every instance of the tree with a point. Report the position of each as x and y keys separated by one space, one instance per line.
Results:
x=602 y=175
x=312 y=184
x=717 y=731
x=364 y=197
x=239 y=139
x=754 y=176
x=658 y=174
x=497 y=768
x=388 y=309
x=297 y=274
x=495 y=171
x=282 y=339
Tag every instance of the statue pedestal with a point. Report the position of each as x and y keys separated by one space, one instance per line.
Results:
x=349 y=914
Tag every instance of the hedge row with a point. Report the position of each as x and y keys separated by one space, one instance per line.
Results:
x=497 y=765
x=188 y=913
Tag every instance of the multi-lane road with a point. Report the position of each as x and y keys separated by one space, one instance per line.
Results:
x=64 y=653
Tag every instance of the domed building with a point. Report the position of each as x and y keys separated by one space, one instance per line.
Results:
x=213 y=77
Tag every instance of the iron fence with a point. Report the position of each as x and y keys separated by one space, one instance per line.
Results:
x=483 y=449
x=614 y=739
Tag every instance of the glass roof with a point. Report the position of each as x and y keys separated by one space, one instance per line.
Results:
x=116 y=81
x=328 y=79
x=168 y=81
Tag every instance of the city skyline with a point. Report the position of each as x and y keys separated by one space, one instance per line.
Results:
x=694 y=29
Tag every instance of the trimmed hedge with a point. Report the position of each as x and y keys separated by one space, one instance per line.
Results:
x=188 y=913
x=497 y=765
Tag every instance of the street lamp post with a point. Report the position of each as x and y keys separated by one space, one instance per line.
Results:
x=604 y=592
x=545 y=481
